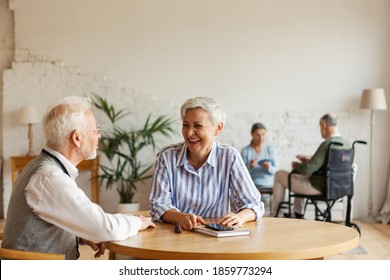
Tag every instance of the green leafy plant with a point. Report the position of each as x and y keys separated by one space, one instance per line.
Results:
x=122 y=149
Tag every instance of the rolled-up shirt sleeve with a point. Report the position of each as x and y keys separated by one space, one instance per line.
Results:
x=160 y=193
x=244 y=192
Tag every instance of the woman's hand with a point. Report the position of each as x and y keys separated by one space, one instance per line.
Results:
x=238 y=219
x=189 y=221
x=232 y=220
x=186 y=221
x=266 y=165
x=252 y=163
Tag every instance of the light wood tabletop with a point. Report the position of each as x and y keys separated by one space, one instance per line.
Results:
x=270 y=239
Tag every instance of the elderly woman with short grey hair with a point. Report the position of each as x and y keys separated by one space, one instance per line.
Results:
x=198 y=177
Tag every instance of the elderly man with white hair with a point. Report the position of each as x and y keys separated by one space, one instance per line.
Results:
x=307 y=180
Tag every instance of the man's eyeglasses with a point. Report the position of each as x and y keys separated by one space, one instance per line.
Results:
x=97 y=130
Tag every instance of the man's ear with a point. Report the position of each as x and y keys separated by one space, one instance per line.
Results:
x=75 y=138
x=218 y=129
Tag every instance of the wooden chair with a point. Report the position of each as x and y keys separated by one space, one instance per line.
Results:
x=10 y=254
x=19 y=162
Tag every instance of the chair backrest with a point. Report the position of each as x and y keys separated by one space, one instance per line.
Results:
x=339 y=172
x=10 y=254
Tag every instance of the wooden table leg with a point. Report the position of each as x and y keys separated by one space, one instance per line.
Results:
x=111 y=255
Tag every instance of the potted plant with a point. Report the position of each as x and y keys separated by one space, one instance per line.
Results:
x=122 y=149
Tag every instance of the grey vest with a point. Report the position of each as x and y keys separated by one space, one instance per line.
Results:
x=26 y=231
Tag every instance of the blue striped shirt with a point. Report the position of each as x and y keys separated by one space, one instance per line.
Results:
x=207 y=191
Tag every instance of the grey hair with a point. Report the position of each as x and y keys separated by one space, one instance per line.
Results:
x=215 y=111
x=330 y=119
x=64 y=117
x=257 y=126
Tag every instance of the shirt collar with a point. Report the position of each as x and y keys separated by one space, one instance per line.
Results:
x=72 y=170
x=211 y=159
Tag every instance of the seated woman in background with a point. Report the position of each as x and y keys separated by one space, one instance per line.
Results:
x=260 y=158
x=196 y=179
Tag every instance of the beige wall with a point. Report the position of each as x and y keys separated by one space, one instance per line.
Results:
x=254 y=56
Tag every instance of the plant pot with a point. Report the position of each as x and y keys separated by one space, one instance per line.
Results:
x=127 y=207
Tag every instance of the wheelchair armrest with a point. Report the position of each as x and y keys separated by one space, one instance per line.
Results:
x=359 y=142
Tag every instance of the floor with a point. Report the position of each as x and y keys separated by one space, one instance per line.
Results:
x=374 y=245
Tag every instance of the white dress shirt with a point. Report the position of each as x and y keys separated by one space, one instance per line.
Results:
x=55 y=197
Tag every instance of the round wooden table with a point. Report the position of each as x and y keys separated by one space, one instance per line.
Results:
x=270 y=239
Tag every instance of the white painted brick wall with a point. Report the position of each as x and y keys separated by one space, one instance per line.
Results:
x=40 y=81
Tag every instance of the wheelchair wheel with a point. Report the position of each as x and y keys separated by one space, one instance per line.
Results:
x=356 y=227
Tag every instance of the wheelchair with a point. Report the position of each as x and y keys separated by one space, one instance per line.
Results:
x=339 y=172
